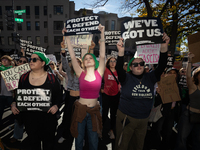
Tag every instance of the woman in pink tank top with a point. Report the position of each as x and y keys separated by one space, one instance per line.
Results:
x=87 y=110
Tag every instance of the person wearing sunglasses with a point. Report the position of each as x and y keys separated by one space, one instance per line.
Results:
x=40 y=123
x=6 y=97
x=18 y=128
x=22 y=60
x=136 y=98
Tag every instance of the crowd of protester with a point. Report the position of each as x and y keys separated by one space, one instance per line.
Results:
x=129 y=92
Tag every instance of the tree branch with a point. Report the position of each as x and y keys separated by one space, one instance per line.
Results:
x=193 y=12
x=164 y=8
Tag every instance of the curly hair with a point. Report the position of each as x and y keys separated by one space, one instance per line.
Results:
x=195 y=76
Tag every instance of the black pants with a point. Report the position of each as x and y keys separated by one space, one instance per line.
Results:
x=111 y=102
x=67 y=119
x=40 y=126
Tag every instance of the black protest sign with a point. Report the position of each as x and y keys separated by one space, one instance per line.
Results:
x=30 y=49
x=82 y=25
x=183 y=81
x=33 y=99
x=24 y=43
x=170 y=61
x=142 y=30
x=77 y=52
x=112 y=37
x=14 y=56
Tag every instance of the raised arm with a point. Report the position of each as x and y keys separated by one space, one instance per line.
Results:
x=190 y=84
x=61 y=70
x=162 y=63
x=120 y=61
x=75 y=64
x=101 y=67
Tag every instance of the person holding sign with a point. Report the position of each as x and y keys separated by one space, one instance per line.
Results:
x=136 y=98
x=186 y=124
x=37 y=101
x=87 y=109
x=6 y=96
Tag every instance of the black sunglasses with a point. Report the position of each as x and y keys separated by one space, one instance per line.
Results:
x=20 y=61
x=140 y=63
x=50 y=64
x=34 y=59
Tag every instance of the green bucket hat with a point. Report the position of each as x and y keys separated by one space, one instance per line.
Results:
x=43 y=57
x=129 y=64
x=95 y=59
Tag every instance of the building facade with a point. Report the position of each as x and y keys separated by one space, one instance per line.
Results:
x=43 y=22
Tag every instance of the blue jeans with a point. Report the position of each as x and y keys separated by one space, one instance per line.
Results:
x=92 y=135
x=184 y=129
x=18 y=130
x=4 y=101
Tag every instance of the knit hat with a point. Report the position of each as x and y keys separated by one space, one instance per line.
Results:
x=43 y=57
x=95 y=59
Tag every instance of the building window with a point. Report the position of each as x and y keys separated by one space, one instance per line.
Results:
x=10 y=41
x=19 y=26
x=0 y=11
x=37 y=12
x=28 y=25
x=45 y=10
x=29 y=38
x=8 y=7
x=57 y=40
x=113 y=25
x=1 y=25
x=45 y=39
x=58 y=25
x=58 y=9
x=27 y=10
x=2 y=41
x=45 y=24
x=18 y=7
x=37 y=25
x=106 y=25
x=37 y=40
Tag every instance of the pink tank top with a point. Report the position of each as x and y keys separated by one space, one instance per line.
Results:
x=91 y=89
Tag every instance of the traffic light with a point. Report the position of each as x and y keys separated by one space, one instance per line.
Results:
x=9 y=18
x=15 y=37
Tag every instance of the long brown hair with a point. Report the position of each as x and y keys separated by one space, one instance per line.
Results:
x=195 y=76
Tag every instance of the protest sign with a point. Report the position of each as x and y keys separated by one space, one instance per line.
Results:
x=168 y=89
x=82 y=25
x=79 y=40
x=149 y=53
x=77 y=52
x=33 y=99
x=30 y=49
x=177 y=65
x=14 y=56
x=24 y=43
x=12 y=76
x=112 y=37
x=194 y=45
x=183 y=81
x=52 y=58
x=170 y=61
x=142 y=30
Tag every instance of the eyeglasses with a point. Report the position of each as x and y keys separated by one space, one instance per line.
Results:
x=34 y=59
x=183 y=71
x=113 y=61
x=50 y=64
x=136 y=64
x=20 y=61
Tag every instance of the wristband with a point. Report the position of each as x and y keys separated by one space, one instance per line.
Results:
x=102 y=40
